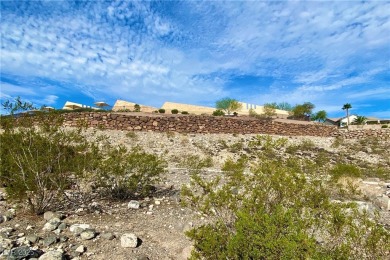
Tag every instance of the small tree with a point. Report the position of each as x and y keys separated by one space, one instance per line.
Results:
x=302 y=111
x=137 y=108
x=269 y=110
x=347 y=107
x=161 y=110
x=320 y=116
x=228 y=105
x=175 y=111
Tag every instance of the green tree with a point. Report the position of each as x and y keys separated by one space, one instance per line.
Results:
x=347 y=107
x=320 y=116
x=360 y=120
x=284 y=106
x=137 y=108
x=302 y=111
x=269 y=110
x=228 y=105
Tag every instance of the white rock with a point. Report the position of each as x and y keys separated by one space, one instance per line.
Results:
x=133 y=204
x=78 y=228
x=129 y=240
x=88 y=234
x=52 y=255
x=80 y=249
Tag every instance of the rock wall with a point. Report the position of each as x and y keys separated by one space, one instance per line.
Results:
x=211 y=124
x=383 y=134
x=195 y=124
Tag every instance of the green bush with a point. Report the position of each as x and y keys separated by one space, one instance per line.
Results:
x=384 y=126
x=184 y=112
x=345 y=170
x=131 y=135
x=161 y=110
x=137 y=108
x=38 y=162
x=175 y=111
x=129 y=174
x=218 y=113
x=274 y=212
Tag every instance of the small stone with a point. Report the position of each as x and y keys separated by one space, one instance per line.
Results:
x=52 y=224
x=50 y=240
x=32 y=238
x=129 y=240
x=52 y=255
x=108 y=236
x=78 y=228
x=157 y=202
x=80 y=249
x=29 y=227
x=62 y=226
x=48 y=215
x=88 y=234
x=133 y=204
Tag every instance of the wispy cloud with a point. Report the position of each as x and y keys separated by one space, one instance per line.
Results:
x=188 y=51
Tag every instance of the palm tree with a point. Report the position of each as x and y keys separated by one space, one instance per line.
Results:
x=360 y=120
x=347 y=106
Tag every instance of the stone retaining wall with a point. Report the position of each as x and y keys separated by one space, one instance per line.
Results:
x=383 y=134
x=211 y=124
x=195 y=124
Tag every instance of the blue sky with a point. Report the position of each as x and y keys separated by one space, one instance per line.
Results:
x=328 y=53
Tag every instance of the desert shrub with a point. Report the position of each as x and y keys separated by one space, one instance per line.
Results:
x=161 y=111
x=384 y=126
x=236 y=147
x=195 y=164
x=127 y=174
x=38 y=161
x=218 y=113
x=184 y=112
x=345 y=170
x=124 y=110
x=337 y=142
x=175 y=111
x=131 y=135
x=266 y=145
x=274 y=212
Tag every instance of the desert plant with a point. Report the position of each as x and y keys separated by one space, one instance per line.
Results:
x=320 y=116
x=137 y=108
x=274 y=212
x=161 y=110
x=127 y=174
x=345 y=170
x=38 y=158
x=131 y=135
x=184 y=112
x=269 y=110
x=228 y=105
x=175 y=111
x=218 y=113
x=384 y=126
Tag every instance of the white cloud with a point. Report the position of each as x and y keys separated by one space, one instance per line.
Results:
x=137 y=50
